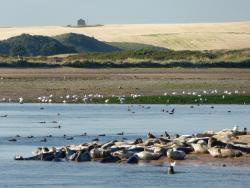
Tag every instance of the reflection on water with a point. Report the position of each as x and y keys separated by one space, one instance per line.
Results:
x=25 y=120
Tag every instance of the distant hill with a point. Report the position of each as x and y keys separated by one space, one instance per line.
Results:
x=28 y=45
x=83 y=43
x=35 y=45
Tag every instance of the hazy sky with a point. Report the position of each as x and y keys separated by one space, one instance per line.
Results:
x=63 y=12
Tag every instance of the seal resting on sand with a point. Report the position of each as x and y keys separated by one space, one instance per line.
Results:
x=200 y=148
x=176 y=154
x=148 y=156
x=224 y=153
x=133 y=159
x=83 y=156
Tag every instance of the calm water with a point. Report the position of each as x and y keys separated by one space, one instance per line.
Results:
x=24 y=120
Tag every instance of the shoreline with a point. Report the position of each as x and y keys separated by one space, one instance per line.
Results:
x=200 y=160
x=164 y=100
x=210 y=149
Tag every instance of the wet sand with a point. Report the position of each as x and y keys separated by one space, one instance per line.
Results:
x=15 y=83
x=207 y=160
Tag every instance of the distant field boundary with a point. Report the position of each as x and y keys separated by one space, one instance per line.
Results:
x=110 y=64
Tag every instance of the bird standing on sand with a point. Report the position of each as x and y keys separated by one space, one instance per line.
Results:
x=236 y=128
x=21 y=100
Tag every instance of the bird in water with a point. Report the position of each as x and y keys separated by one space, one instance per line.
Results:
x=102 y=135
x=171 y=168
x=172 y=111
x=44 y=140
x=120 y=134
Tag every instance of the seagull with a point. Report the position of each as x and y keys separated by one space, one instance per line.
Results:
x=171 y=168
x=236 y=128
x=21 y=100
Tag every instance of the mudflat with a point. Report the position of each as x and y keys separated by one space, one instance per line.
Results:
x=32 y=83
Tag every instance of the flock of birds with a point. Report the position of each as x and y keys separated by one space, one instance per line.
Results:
x=130 y=108
x=87 y=98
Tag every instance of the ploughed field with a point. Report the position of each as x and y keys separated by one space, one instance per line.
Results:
x=33 y=83
x=210 y=36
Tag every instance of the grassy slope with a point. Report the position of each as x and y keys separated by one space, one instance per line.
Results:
x=139 y=58
x=29 y=45
x=84 y=43
x=135 y=46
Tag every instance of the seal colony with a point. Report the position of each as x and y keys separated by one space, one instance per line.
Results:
x=222 y=144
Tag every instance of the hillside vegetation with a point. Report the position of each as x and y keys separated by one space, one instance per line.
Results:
x=135 y=46
x=27 y=45
x=32 y=45
x=74 y=50
x=137 y=58
x=82 y=43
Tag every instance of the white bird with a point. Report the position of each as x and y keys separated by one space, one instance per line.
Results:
x=21 y=100
x=236 y=128
x=85 y=99
x=173 y=163
x=121 y=100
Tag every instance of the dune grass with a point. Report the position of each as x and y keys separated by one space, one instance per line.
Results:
x=143 y=58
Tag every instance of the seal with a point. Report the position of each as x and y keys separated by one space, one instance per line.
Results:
x=176 y=154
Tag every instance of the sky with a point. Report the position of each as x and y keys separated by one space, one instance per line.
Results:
x=64 y=12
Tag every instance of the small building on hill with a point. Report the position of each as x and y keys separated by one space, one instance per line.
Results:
x=57 y=60
x=81 y=23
